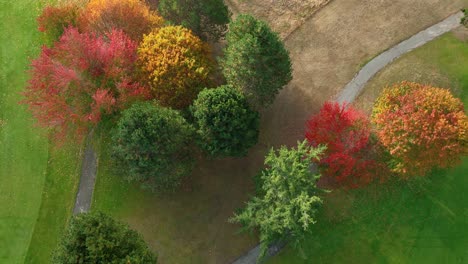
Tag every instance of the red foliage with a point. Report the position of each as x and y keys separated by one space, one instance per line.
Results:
x=54 y=19
x=350 y=157
x=82 y=77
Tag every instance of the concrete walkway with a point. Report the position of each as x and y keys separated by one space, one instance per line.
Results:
x=354 y=88
x=88 y=178
x=351 y=91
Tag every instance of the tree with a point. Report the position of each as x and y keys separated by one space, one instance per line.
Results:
x=176 y=64
x=151 y=144
x=226 y=124
x=289 y=199
x=97 y=238
x=208 y=19
x=422 y=127
x=132 y=16
x=55 y=19
x=255 y=61
x=81 y=78
x=351 y=158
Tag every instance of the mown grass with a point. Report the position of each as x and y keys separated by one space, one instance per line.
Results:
x=37 y=181
x=422 y=221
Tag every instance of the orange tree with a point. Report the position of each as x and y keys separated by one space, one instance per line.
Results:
x=176 y=65
x=54 y=19
x=132 y=16
x=422 y=127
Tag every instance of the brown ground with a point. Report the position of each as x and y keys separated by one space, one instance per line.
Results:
x=326 y=51
x=284 y=16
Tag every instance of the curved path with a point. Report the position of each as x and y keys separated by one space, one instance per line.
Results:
x=355 y=86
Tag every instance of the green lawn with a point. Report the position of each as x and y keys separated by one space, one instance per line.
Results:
x=419 y=222
x=37 y=183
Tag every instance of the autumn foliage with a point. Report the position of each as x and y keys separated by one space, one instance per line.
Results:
x=176 y=64
x=82 y=77
x=350 y=158
x=54 y=19
x=132 y=16
x=422 y=127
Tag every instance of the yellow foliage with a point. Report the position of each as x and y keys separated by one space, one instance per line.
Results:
x=176 y=64
x=132 y=16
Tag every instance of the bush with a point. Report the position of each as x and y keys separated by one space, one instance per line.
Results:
x=208 y=19
x=226 y=124
x=55 y=19
x=255 y=61
x=132 y=16
x=422 y=127
x=81 y=78
x=151 y=144
x=290 y=199
x=97 y=238
x=350 y=159
x=176 y=64
x=464 y=19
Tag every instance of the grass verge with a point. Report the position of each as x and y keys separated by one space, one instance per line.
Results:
x=414 y=222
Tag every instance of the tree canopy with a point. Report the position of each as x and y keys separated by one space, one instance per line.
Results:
x=422 y=127
x=226 y=124
x=289 y=198
x=255 y=60
x=151 y=145
x=97 y=238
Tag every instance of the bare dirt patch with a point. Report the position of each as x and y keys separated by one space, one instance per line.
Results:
x=284 y=16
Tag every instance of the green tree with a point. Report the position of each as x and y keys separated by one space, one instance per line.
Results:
x=226 y=124
x=97 y=238
x=151 y=144
x=208 y=19
x=256 y=60
x=289 y=198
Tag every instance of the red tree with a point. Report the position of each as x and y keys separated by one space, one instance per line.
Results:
x=350 y=157
x=82 y=77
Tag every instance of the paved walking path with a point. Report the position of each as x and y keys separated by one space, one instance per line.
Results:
x=351 y=91
x=88 y=178
x=353 y=88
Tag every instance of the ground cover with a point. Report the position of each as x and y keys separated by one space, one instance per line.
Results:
x=37 y=180
x=422 y=221
x=23 y=148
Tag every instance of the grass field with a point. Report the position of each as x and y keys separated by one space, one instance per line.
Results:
x=417 y=222
x=37 y=181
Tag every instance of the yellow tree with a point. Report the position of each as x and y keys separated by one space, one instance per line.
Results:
x=176 y=65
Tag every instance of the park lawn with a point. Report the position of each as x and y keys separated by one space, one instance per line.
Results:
x=190 y=225
x=37 y=181
x=422 y=221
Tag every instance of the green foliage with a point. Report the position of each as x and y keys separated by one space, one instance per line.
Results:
x=290 y=197
x=464 y=19
x=208 y=19
x=97 y=238
x=151 y=145
x=256 y=60
x=226 y=124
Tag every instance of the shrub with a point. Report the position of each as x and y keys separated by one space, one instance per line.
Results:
x=81 y=78
x=176 y=64
x=226 y=124
x=350 y=159
x=422 y=127
x=255 y=61
x=54 y=19
x=151 y=145
x=97 y=238
x=132 y=16
x=464 y=19
x=208 y=19
x=290 y=199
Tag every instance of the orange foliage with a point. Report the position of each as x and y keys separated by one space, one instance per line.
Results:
x=176 y=64
x=422 y=127
x=132 y=16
